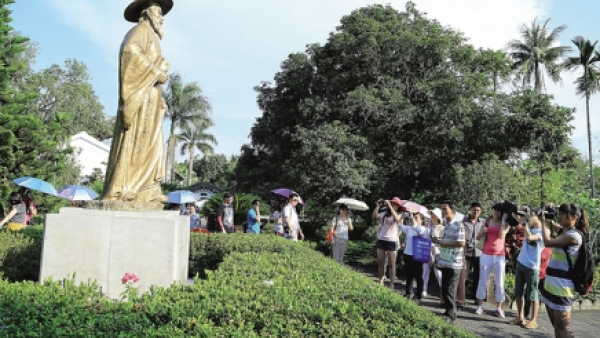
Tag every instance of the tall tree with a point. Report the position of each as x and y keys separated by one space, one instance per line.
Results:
x=538 y=51
x=587 y=84
x=185 y=102
x=26 y=144
x=217 y=169
x=194 y=135
x=411 y=92
x=68 y=91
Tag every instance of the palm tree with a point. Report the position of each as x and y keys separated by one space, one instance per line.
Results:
x=194 y=136
x=537 y=49
x=587 y=84
x=184 y=103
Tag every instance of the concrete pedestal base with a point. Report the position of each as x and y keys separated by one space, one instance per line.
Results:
x=105 y=245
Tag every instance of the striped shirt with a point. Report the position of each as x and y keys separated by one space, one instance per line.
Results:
x=558 y=292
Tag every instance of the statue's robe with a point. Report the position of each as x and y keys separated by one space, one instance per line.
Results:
x=136 y=165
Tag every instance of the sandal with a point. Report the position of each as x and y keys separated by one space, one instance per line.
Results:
x=531 y=325
x=516 y=321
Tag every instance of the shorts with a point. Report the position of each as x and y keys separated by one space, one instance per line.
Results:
x=386 y=245
x=527 y=278
x=12 y=226
x=229 y=230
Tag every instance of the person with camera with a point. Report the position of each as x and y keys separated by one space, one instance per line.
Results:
x=413 y=269
x=450 y=259
x=387 y=239
x=17 y=214
x=493 y=257
x=558 y=290
x=527 y=272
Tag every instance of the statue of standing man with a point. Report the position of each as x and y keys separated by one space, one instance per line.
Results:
x=136 y=165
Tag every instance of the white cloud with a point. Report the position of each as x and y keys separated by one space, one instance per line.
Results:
x=231 y=46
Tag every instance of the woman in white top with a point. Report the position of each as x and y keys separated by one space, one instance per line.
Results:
x=434 y=230
x=341 y=224
x=413 y=269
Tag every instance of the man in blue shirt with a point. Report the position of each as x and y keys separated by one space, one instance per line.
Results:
x=253 y=218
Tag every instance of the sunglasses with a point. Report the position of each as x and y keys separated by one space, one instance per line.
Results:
x=294 y=200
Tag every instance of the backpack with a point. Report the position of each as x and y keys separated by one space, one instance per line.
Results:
x=544 y=261
x=582 y=272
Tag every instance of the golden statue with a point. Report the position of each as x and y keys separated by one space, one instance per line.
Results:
x=136 y=165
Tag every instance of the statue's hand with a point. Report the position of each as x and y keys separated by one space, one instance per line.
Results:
x=163 y=78
x=126 y=123
x=164 y=65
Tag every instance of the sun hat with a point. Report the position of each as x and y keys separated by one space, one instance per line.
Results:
x=438 y=213
x=396 y=200
x=133 y=11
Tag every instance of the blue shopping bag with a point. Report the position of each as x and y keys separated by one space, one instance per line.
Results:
x=421 y=249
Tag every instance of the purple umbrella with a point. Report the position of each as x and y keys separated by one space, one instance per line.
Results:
x=284 y=192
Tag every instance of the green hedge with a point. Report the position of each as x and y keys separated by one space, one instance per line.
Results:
x=20 y=253
x=264 y=286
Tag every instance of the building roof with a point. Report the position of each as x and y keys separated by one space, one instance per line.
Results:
x=204 y=186
x=91 y=140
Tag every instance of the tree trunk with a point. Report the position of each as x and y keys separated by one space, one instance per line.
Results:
x=190 y=165
x=589 y=132
x=542 y=186
x=538 y=81
x=170 y=159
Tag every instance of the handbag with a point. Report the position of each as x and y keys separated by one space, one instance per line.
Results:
x=421 y=249
x=481 y=242
x=331 y=233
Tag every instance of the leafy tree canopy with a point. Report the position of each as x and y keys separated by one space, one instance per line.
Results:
x=400 y=93
x=27 y=146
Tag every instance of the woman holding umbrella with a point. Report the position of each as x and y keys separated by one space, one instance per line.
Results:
x=340 y=225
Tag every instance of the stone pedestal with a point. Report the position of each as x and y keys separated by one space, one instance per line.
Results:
x=104 y=245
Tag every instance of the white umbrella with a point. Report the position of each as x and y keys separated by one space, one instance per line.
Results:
x=352 y=204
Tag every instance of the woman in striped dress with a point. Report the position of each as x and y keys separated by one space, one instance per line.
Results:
x=558 y=291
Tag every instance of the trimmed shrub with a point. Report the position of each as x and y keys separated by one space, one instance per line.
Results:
x=264 y=286
x=20 y=253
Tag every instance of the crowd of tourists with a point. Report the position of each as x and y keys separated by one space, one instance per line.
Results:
x=464 y=246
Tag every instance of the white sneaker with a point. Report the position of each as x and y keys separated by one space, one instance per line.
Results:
x=424 y=294
x=500 y=313
x=479 y=310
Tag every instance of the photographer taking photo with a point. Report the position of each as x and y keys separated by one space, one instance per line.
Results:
x=558 y=289
x=387 y=239
x=528 y=270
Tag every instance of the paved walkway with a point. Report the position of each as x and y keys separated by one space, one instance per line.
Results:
x=585 y=323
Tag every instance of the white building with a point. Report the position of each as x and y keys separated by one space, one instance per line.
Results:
x=90 y=153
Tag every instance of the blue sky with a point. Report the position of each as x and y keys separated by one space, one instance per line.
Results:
x=229 y=47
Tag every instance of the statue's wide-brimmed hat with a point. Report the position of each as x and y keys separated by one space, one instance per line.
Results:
x=134 y=10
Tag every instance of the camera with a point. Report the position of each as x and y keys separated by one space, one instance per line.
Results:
x=509 y=208
x=549 y=213
x=380 y=202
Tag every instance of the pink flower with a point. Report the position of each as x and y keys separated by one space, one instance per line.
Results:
x=129 y=277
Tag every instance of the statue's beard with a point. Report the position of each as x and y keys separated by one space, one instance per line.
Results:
x=157 y=26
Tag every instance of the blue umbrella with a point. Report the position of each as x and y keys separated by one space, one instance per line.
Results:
x=77 y=193
x=36 y=184
x=181 y=197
